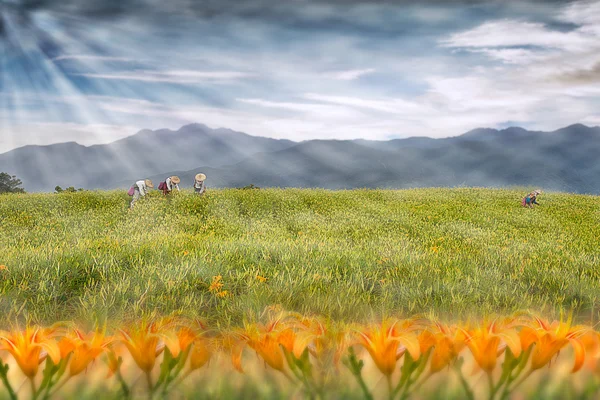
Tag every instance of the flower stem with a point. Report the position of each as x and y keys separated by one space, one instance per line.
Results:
x=34 y=393
x=390 y=387
x=465 y=384
x=150 y=385
x=56 y=389
x=520 y=381
x=492 y=386
x=4 y=377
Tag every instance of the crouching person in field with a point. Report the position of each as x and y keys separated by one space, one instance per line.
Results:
x=531 y=199
x=139 y=189
x=199 y=184
x=168 y=184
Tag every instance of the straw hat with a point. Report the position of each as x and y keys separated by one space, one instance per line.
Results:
x=200 y=177
x=149 y=183
x=175 y=179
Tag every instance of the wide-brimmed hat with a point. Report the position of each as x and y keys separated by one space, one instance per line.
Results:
x=175 y=179
x=149 y=183
x=200 y=177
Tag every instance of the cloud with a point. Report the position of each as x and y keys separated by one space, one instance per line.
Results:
x=508 y=33
x=515 y=55
x=582 y=76
x=352 y=74
x=310 y=69
x=178 y=77
x=214 y=8
x=395 y=106
x=92 y=58
x=316 y=110
x=582 y=13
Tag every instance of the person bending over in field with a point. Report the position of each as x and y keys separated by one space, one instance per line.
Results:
x=139 y=189
x=531 y=199
x=167 y=185
x=199 y=184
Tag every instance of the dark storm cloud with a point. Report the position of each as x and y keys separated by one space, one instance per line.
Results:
x=582 y=76
x=213 y=8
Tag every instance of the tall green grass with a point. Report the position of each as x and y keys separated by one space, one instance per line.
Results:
x=345 y=254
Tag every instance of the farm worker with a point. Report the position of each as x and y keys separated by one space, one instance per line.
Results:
x=199 y=185
x=140 y=188
x=531 y=198
x=167 y=185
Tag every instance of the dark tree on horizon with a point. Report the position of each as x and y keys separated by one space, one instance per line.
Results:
x=10 y=184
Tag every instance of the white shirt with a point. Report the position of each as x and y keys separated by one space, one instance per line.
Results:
x=142 y=187
x=199 y=185
x=170 y=184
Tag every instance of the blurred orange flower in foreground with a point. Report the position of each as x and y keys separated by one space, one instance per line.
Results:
x=30 y=348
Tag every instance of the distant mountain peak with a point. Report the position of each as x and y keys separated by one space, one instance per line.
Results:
x=577 y=126
x=514 y=129
x=479 y=132
x=193 y=127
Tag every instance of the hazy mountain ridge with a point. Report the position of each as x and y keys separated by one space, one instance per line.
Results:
x=563 y=160
x=566 y=159
x=148 y=152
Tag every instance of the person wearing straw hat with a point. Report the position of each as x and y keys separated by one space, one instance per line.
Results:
x=167 y=185
x=140 y=188
x=199 y=184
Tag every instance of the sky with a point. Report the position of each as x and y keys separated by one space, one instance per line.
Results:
x=96 y=71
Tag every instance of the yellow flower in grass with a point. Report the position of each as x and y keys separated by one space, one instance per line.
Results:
x=388 y=342
x=30 y=348
x=216 y=284
x=549 y=338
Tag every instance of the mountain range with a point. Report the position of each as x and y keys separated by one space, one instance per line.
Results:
x=564 y=160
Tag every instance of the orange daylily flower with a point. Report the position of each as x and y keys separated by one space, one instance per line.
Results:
x=185 y=337
x=489 y=341
x=200 y=353
x=591 y=344
x=30 y=348
x=302 y=334
x=147 y=342
x=387 y=342
x=549 y=339
x=84 y=348
x=216 y=284
x=266 y=341
x=267 y=347
x=446 y=343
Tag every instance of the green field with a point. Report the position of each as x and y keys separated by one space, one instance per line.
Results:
x=349 y=255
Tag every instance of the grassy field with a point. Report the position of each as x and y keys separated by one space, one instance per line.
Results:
x=348 y=255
